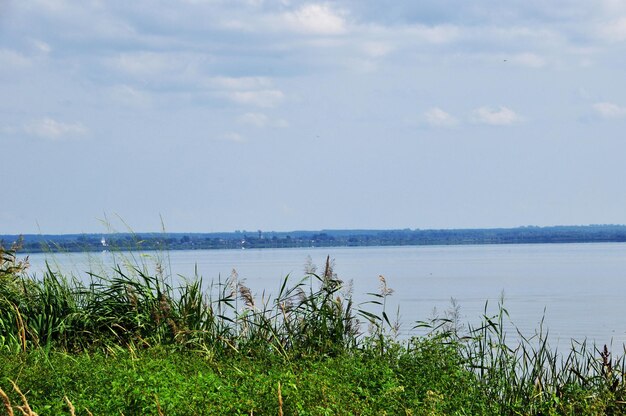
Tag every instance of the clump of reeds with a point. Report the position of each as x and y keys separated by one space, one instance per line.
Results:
x=10 y=265
x=131 y=308
x=529 y=374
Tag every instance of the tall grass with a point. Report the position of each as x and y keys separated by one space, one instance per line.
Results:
x=528 y=375
x=130 y=309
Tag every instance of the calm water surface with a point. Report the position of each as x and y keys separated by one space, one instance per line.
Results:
x=580 y=288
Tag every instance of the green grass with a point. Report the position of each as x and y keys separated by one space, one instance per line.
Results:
x=187 y=383
x=131 y=343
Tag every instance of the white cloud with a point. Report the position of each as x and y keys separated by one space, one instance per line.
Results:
x=144 y=63
x=614 y=30
x=376 y=49
x=362 y=65
x=261 y=98
x=261 y=120
x=254 y=91
x=233 y=137
x=501 y=116
x=48 y=128
x=130 y=96
x=439 y=118
x=51 y=5
x=10 y=58
x=610 y=110
x=41 y=46
x=318 y=19
x=530 y=60
x=237 y=25
x=280 y=123
x=255 y=119
x=240 y=83
x=434 y=34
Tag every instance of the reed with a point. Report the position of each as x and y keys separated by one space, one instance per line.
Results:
x=530 y=376
x=131 y=308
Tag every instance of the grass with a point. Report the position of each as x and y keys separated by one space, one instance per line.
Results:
x=130 y=342
x=189 y=384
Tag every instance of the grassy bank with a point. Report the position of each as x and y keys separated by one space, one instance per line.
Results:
x=425 y=379
x=130 y=342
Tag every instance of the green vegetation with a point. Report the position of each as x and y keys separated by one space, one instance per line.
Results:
x=132 y=343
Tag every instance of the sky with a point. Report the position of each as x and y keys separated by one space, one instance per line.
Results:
x=224 y=115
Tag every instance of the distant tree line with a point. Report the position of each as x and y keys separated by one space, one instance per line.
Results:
x=326 y=238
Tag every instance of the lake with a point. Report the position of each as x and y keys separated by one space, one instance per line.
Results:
x=580 y=288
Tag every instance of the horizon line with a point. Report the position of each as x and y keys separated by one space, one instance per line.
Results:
x=314 y=230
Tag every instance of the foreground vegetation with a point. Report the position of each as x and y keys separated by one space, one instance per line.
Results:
x=132 y=343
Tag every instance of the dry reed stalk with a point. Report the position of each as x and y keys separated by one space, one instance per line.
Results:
x=233 y=283
x=246 y=295
x=280 y=401
x=6 y=402
x=159 y=410
x=158 y=269
x=384 y=290
x=25 y=408
x=165 y=308
x=328 y=270
x=607 y=365
x=132 y=296
x=20 y=328
x=70 y=405
x=281 y=305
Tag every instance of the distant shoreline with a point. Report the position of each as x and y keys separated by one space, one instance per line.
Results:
x=31 y=243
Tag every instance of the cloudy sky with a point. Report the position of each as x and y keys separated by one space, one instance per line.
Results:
x=218 y=115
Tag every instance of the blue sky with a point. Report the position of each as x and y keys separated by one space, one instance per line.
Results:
x=218 y=115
